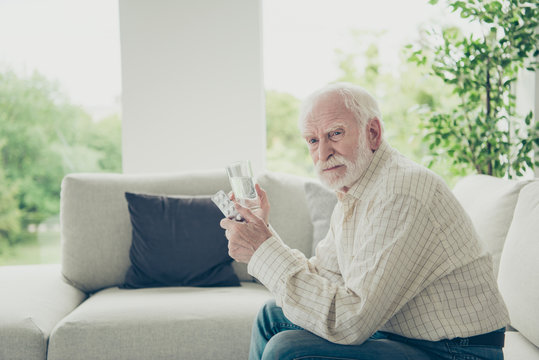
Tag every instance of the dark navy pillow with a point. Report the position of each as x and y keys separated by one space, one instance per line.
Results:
x=177 y=241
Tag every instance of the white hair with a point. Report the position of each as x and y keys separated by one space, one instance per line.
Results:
x=356 y=99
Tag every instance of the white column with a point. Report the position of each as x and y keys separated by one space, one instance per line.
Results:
x=536 y=109
x=192 y=92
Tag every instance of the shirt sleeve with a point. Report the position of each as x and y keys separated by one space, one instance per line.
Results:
x=325 y=260
x=395 y=259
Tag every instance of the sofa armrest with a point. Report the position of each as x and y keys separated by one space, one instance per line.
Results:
x=34 y=298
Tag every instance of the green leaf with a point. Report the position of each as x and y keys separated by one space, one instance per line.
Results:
x=462 y=61
x=497 y=6
x=528 y=118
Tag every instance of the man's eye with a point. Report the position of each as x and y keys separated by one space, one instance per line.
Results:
x=335 y=135
x=312 y=141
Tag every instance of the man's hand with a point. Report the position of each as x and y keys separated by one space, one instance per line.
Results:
x=244 y=237
x=264 y=209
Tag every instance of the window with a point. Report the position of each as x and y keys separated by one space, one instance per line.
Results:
x=309 y=43
x=59 y=113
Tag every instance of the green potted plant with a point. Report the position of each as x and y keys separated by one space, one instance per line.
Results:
x=483 y=132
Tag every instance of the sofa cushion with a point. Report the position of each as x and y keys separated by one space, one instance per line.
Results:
x=289 y=215
x=96 y=230
x=177 y=241
x=160 y=323
x=519 y=266
x=33 y=299
x=320 y=201
x=517 y=347
x=490 y=202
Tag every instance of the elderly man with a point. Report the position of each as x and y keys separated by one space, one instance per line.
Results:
x=400 y=274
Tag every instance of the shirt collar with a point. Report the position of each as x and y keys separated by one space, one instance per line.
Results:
x=360 y=186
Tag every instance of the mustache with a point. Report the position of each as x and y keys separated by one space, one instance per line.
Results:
x=333 y=161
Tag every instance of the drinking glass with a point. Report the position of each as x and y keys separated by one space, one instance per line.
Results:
x=242 y=182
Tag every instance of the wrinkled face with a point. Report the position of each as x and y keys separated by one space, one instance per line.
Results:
x=337 y=145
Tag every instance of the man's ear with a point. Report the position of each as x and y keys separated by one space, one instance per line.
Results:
x=374 y=133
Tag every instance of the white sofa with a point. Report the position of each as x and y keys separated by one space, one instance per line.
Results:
x=77 y=311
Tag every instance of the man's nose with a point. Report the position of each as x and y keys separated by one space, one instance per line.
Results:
x=325 y=150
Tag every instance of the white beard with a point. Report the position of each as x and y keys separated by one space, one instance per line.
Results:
x=354 y=169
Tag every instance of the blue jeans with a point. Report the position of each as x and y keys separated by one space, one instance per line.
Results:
x=274 y=337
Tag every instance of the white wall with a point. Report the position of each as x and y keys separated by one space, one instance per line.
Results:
x=192 y=84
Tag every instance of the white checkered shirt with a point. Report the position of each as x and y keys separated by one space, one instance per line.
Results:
x=401 y=256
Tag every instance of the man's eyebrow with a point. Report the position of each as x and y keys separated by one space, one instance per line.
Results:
x=335 y=127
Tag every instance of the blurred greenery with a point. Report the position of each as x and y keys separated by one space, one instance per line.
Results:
x=286 y=149
x=43 y=137
x=41 y=248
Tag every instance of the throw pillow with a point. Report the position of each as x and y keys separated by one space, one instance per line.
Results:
x=177 y=241
x=321 y=201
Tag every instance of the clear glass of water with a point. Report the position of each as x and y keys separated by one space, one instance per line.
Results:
x=240 y=175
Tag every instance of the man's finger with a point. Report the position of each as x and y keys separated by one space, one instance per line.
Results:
x=225 y=223
x=246 y=213
x=261 y=193
x=262 y=196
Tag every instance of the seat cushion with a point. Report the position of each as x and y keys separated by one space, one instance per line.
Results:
x=519 y=266
x=160 y=323
x=33 y=299
x=517 y=347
